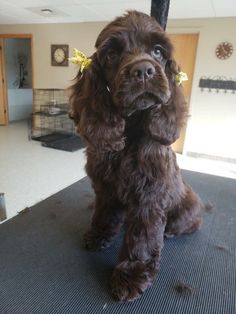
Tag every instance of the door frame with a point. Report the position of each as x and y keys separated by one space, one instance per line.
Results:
x=16 y=36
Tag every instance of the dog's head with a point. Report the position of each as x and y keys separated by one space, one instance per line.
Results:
x=135 y=57
x=132 y=69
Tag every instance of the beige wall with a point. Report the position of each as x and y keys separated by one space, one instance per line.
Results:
x=213 y=122
x=81 y=36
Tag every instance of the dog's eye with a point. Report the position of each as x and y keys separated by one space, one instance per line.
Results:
x=157 y=52
x=111 y=55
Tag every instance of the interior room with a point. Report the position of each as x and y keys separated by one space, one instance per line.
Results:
x=42 y=155
x=197 y=141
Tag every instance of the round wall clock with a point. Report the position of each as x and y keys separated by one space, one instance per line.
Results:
x=59 y=55
x=224 y=50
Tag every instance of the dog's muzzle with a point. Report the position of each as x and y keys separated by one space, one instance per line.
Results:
x=142 y=71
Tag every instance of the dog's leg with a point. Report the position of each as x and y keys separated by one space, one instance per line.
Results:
x=140 y=254
x=186 y=217
x=106 y=222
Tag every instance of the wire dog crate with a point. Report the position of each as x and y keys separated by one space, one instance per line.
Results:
x=51 y=119
x=52 y=126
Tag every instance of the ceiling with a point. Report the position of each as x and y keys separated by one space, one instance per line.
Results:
x=73 y=11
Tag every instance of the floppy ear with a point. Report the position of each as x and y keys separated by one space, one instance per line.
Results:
x=165 y=122
x=98 y=121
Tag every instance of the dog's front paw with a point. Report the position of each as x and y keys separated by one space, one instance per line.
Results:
x=130 y=280
x=95 y=242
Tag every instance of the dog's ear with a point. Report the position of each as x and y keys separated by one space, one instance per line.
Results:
x=97 y=119
x=177 y=104
x=172 y=69
x=177 y=99
x=165 y=124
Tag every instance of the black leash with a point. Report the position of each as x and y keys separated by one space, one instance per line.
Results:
x=160 y=10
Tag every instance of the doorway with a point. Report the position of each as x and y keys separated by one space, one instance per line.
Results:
x=185 y=45
x=16 y=87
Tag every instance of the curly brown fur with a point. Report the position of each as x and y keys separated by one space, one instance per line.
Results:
x=129 y=110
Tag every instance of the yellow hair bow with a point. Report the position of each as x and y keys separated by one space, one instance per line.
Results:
x=81 y=59
x=180 y=77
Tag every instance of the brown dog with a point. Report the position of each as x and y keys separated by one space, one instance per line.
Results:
x=129 y=110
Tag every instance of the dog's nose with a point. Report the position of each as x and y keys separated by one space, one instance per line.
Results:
x=142 y=71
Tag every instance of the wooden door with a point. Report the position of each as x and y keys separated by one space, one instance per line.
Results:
x=3 y=94
x=185 y=55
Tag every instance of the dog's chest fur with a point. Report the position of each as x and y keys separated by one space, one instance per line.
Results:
x=134 y=128
x=141 y=153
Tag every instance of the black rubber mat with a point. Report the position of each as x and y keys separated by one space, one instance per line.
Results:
x=44 y=268
x=51 y=137
x=69 y=144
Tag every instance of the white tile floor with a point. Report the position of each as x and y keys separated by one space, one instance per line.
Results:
x=214 y=167
x=30 y=173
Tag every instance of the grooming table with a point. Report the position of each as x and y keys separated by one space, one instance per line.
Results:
x=44 y=268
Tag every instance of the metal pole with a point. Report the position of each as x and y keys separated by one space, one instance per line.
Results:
x=160 y=10
x=3 y=214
